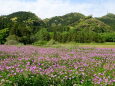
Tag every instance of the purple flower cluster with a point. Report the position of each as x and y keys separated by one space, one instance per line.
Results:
x=96 y=63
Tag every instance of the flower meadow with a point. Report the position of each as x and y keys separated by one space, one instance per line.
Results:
x=38 y=66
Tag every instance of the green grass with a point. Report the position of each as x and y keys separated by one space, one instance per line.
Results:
x=74 y=45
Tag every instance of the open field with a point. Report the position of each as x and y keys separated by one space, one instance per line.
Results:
x=67 y=65
x=99 y=45
x=93 y=45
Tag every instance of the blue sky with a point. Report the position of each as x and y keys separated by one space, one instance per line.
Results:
x=27 y=0
x=77 y=1
x=50 y=8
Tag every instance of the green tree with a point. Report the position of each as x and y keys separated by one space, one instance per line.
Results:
x=108 y=37
x=109 y=19
x=42 y=35
x=3 y=35
x=93 y=25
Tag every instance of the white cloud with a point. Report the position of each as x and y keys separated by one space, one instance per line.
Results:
x=50 y=8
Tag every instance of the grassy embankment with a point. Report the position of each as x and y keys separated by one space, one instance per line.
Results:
x=95 y=45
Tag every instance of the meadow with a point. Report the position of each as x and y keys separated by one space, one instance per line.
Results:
x=62 y=47
x=64 y=65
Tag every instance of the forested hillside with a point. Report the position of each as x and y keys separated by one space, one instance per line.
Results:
x=109 y=19
x=27 y=28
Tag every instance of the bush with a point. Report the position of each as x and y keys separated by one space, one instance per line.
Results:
x=3 y=35
x=52 y=42
x=88 y=37
x=42 y=35
x=108 y=37
x=12 y=37
x=13 y=42
x=40 y=43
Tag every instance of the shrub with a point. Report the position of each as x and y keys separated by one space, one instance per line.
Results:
x=42 y=35
x=12 y=37
x=40 y=43
x=108 y=37
x=13 y=42
x=52 y=42
x=3 y=35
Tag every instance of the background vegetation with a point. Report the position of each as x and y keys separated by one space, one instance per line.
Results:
x=26 y=28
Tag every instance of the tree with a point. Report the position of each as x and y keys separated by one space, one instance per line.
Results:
x=42 y=35
x=108 y=37
x=93 y=25
x=24 y=25
x=108 y=19
x=3 y=35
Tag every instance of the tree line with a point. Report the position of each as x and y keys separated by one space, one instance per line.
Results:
x=27 y=28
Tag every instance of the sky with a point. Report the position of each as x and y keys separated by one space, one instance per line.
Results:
x=50 y=8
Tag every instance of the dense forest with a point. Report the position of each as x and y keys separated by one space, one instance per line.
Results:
x=27 y=28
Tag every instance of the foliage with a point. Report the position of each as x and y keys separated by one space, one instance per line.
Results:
x=40 y=43
x=67 y=19
x=52 y=42
x=88 y=37
x=62 y=23
x=27 y=28
x=38 y=66
x=108 y=37
x=12 y=42
x=3 y=35
x=93 y=25
x=108 y=19
x=42 y=35
x=78 y=36
x=22 y=24
x=12 y=37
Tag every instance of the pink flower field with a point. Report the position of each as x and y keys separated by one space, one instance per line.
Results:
x=38 y=66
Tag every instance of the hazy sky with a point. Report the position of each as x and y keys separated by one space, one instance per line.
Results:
x=50 y=8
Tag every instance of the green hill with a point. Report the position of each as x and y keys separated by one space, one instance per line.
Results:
x=67 y=19
x=22 y=25
x=27 y=28
x=109 y=19
x=93 y=24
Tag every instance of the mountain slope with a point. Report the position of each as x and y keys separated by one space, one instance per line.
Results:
x=67 y=19
x=109 y=19
x=93 y=25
